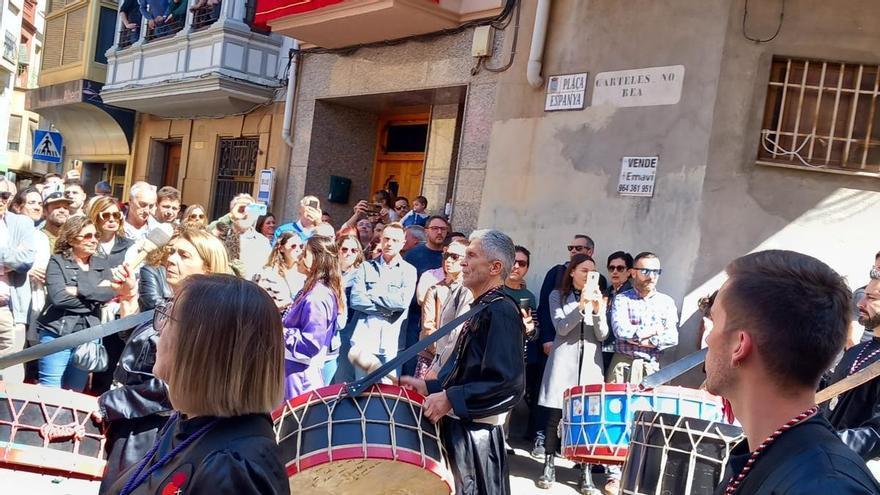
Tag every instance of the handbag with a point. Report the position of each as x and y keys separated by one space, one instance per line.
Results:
x=90 y=356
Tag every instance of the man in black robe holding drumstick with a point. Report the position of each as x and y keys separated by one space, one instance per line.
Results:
x=485 y=378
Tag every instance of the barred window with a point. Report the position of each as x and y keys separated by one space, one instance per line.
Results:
x=823 y=115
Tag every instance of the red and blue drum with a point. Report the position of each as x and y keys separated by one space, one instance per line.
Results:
x=377 y=443
x=49 y=443
x=597 y=419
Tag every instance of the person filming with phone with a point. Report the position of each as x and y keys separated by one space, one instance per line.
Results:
x=309 y=218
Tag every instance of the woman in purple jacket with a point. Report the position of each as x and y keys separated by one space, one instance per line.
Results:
x=310 y=323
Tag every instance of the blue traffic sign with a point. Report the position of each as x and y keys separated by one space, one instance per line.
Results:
x=47 y=146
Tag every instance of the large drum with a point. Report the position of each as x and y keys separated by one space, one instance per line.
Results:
x=48 y=441
x=378 y=443
x=674 y=454
x=597 y=419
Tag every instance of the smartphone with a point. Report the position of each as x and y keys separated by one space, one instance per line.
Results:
x=373 y=209
x=525 y=304
x=313 y=204
x=256 y=209
x=592 y=284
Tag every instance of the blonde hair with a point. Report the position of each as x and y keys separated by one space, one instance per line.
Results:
x=227 y=358
x=98 y=205
x=203 y=223
x=211 y=250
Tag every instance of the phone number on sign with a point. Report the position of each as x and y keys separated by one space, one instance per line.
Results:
x=635 y=188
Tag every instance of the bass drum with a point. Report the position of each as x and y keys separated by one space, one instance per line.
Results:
x=378 y=443
x=676 y=454
x=48 y=442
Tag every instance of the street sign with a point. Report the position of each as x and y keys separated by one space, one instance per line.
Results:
x=639 y=87
x=264 y=190
x=47 y=146
x=637 y=174
x=566 y=92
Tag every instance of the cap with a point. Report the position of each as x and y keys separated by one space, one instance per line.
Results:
x=54 y=195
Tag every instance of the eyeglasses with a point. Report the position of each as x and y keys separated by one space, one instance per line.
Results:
x=577 y=248
x=345 y=250
x=162 y=316
x=5 y=195
x=520 y=263
x=438 y=228
x=650 y=272
x=452 y=256
x=86 y=237
x=107 y=215
x=401 y=207
x=616 y=268
x=196 y=216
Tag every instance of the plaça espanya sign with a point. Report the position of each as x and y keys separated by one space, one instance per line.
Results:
x=566 y=92
x=637 y=174
x=639 y=87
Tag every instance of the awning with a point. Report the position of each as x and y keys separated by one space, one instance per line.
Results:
x=268 y=10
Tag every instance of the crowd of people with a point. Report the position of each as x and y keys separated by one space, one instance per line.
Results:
x=344 y=301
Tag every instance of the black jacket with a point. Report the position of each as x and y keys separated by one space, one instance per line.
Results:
x=486 y=375
x=856 y=413
x=153 y=288
x=117 y=253
x=237 y=456
x=64 y=313
x=808 y=459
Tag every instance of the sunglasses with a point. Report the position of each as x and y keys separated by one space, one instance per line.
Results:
x=345 y=250
x=577 y=248
x=401 y=207
x=87 y=237
x=650 y=272
x=616 y=268
x=197 y=216
x=520 y=263
x=107 y=215
x=5 y=195
x=452 y=256
x=438 y=228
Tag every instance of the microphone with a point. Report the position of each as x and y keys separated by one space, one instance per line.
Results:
x=156 y=239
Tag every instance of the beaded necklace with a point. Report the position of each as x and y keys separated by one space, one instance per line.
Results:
x=139 y=476
x=735 y=482
x=860 y=361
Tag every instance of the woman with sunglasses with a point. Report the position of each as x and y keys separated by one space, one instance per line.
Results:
x=336 y=369
x=134 y=412
x=221 y=355
x=195 y=216
x=78 y=284
x=280 y=276
x=313 y=317
x=436 y=297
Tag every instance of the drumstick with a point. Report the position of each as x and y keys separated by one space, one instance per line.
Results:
x=863 y=376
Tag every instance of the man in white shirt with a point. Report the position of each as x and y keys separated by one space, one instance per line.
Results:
x=141 y=208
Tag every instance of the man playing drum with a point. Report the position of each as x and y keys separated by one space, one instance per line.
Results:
x=478 y=387
x=779 y=321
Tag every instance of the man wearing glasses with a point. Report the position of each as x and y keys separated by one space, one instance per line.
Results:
x=644 y=321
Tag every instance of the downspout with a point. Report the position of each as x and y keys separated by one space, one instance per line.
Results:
x=288 y=101
x=539 y=36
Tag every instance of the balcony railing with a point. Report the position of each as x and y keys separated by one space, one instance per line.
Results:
x=164 y=30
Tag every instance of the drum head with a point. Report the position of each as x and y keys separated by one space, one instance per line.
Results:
x=374 y=476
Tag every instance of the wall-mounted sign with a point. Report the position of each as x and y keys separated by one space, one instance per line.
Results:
x=566 y=92
x=264 y=190
x=637 y=174
x=639 y=87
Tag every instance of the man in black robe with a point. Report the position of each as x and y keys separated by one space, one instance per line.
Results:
x=779 y=321
x=485 y=377
x=855 y=414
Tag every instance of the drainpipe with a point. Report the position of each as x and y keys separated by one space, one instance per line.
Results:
x=288 y=101
x=539 y=36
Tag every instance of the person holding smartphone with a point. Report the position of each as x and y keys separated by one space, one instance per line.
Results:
x=577 y=309
x=309 y=218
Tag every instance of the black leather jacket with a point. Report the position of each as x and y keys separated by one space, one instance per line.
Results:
x=64 y=313
x=153 y=289
x=237 y=456
x=856 y=413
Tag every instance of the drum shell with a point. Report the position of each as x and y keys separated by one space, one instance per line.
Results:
x=26 y=409
x=675 y=454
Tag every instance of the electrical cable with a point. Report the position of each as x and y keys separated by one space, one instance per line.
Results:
x=758 y=40
x=483 y=60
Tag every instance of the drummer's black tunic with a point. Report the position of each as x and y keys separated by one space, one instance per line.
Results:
x=856 y=413
x=485 y=378
x=807 y=459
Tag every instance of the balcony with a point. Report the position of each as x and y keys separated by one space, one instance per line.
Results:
x=341 y=23
x=210 y=63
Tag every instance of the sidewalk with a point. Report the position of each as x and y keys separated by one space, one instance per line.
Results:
x=524 y=470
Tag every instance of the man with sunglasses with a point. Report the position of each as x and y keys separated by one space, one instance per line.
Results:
x=16 y=257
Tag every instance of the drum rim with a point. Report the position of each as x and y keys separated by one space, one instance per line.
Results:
x=375 y=452
x=607 y=454
x=333 y=391
x=41 y=459
x=662 y=390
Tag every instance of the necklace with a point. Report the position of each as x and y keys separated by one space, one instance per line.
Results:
x=736 y=481
x=139 y=476
x=860 y=361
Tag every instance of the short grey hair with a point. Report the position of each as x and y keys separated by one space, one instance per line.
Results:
x=497 y=246
x=418 y=232
x=139 y=187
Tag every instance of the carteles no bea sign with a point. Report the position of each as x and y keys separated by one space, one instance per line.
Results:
x=566 y=92
x=637 y=174
x=639 y=87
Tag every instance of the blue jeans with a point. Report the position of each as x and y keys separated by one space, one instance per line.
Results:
x=56 y=370
x=329 y=369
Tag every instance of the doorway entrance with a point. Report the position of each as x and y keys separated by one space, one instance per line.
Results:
x=164 y=162
x=400 y=154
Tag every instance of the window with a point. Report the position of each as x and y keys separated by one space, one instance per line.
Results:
x=822 y=115
x=106 y=33
x=14 y=135
x=406 y=138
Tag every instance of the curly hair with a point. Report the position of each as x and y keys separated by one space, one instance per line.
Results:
x=71 y=228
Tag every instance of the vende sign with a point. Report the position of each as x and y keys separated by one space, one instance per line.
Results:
x=637 y=174
x=566 y=92
x=639 y=87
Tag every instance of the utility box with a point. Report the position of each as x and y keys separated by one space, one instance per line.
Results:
x=484 y=37
x=340 y=187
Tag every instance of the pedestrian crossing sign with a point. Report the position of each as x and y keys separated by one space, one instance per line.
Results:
x=47 y=146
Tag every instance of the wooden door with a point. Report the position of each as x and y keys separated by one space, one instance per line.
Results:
x=172 y=164
x=401 y=160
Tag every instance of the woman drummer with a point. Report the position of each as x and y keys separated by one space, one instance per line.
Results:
x=219 y=439
x=134 y=412
x=578 y=316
